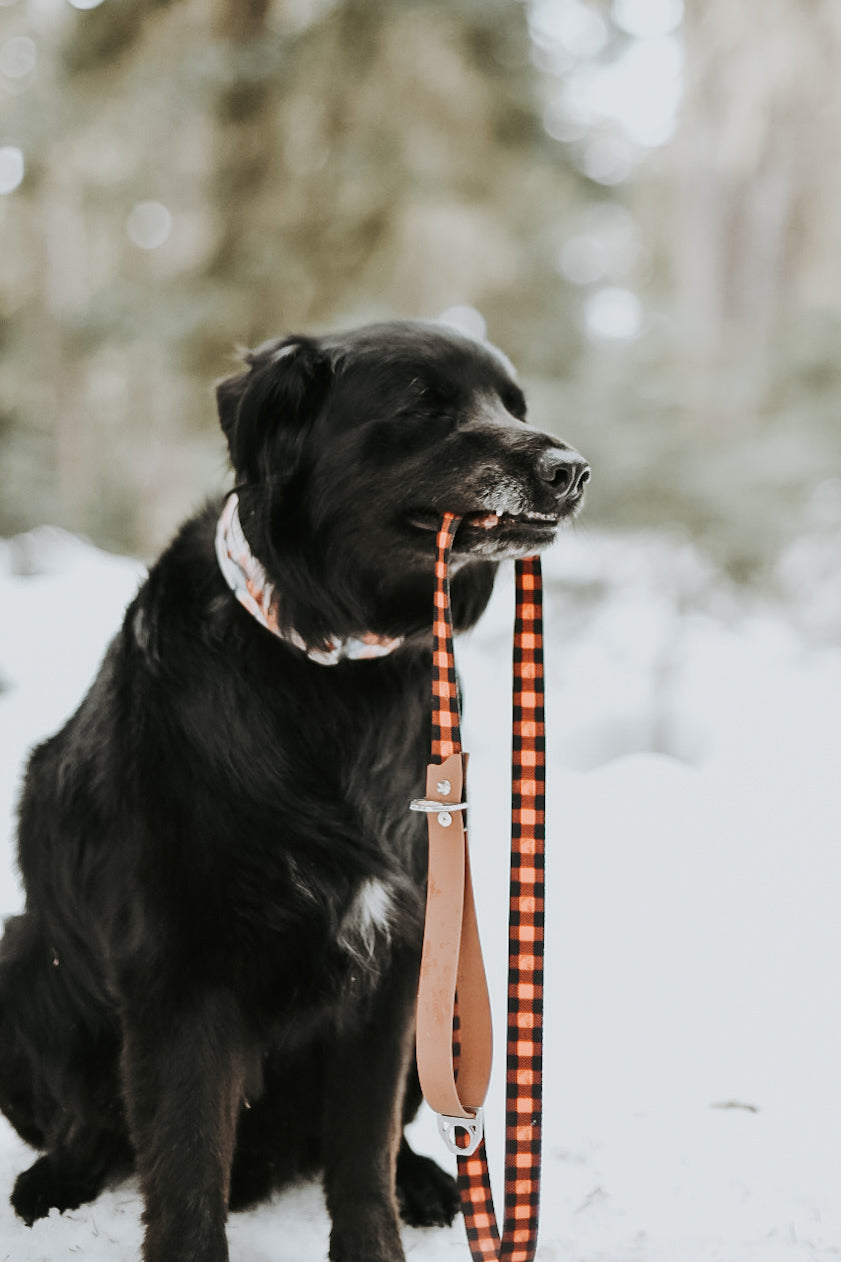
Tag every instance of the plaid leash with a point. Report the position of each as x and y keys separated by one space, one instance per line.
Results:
x=454 y=1034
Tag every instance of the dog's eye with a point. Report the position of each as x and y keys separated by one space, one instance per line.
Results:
x=405 y=435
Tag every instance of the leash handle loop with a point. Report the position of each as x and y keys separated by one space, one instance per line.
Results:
x=454 y=1035
x=451 y=962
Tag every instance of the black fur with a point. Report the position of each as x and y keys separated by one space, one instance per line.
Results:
x=194 y=990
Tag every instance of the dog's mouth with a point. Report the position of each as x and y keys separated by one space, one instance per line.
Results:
x=487 y=525
x=498 y=523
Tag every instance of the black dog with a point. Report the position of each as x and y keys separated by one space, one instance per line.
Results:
x=214 y=978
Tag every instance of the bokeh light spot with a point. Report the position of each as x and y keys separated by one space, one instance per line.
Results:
x=466 y=320
x=12 y=168
x=569 y=25
x=607 y=159
x=17 y=57
x=582 y=259
x=613 y=315
x=646 y=19
x=149 y=225
x=639 y=92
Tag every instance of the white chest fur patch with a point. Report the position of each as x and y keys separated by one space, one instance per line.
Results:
x=368 y=919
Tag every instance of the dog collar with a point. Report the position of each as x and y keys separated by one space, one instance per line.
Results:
x=248 y=581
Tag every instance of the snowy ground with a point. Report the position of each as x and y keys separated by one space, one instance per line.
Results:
x=693 y=1109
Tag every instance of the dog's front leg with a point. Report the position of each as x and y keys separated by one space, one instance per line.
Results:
x=184 y=1079
x=364 y=1123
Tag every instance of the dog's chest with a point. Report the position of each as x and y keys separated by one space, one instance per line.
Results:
x=366 y=928
x=383 y=769
x=381 y=732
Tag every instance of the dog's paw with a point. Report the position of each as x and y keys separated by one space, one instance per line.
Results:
x=374 y=1238
x=44 y=1187
x=32 y=1196
x=426 y=1194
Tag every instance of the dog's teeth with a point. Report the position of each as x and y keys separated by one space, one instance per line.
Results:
x=487 y=521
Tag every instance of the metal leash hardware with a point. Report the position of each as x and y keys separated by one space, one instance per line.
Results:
x=454 y=1037
x=431 y=806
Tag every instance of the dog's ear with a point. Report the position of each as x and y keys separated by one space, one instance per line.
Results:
x=271 y=404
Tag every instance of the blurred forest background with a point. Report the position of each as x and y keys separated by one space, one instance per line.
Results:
x=637 y=198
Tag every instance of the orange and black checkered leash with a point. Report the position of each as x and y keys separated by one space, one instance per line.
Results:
x=454 y=1026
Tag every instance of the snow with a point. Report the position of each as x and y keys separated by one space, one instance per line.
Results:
x=693 y=1027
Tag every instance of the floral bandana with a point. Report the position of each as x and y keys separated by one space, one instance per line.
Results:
x=247 y=580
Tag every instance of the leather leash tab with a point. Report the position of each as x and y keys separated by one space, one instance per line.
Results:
x=452 y=961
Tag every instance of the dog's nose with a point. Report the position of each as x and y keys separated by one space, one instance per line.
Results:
x=564 y=470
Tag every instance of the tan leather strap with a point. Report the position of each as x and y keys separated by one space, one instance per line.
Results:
x=452 y=960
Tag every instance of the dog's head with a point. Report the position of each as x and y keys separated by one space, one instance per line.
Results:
x=349 y=448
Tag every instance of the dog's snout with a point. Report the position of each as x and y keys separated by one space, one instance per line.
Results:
x=566 y=471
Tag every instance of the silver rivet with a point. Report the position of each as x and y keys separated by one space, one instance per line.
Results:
x=445 y=819
x=443 y=787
